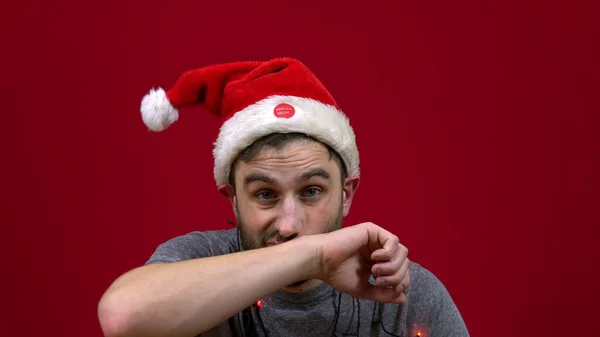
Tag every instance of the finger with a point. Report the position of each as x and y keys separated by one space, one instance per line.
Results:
x=379 y=238
x=390 y=267
x=381 y=255
x=396 y=278
x=390 y=247
x=406 y=281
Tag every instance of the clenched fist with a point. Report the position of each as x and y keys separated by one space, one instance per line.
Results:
x=348 y=257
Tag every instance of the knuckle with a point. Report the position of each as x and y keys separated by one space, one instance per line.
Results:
x=404 y=249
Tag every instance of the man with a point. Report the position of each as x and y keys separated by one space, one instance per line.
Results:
x=286 y=158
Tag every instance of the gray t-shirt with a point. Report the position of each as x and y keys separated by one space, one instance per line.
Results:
x=323 y=311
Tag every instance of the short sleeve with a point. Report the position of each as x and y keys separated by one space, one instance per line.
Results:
x=432 y=307
x=195 y=245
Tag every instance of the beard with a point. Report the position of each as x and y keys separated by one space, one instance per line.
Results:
x=248 y=242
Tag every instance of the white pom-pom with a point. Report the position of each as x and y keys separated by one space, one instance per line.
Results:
x=157 y=112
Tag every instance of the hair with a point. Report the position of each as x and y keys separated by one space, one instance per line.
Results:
x=277 y=141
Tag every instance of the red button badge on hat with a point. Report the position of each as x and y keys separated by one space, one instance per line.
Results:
x=284 y=110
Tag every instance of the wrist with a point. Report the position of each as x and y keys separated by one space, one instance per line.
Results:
x=311 y=253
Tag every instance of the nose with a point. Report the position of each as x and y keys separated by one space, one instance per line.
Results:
x=290 y=218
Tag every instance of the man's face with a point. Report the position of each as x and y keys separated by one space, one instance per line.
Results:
x=284 y=193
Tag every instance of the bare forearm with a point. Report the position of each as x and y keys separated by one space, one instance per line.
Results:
x=189 y=297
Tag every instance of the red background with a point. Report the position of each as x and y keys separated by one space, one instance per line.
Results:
x=476 y=120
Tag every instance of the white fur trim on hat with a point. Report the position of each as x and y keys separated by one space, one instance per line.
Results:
x=157 y=111
x=320 y=121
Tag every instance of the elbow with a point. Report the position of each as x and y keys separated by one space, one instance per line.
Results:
x=114 y=317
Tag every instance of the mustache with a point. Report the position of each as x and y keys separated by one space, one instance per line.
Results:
x=274 y=234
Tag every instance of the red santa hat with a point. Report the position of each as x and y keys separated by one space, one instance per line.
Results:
x=255 y=99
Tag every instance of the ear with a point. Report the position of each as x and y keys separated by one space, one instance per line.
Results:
x=350 y=187
x=228 y=191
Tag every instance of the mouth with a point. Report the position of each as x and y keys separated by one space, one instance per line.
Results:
x=276 y=239
x=273 y=243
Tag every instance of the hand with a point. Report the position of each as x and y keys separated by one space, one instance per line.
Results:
x=348 y=257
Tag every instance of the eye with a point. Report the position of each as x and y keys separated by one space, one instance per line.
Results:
x=265 y=195
x=312 y=192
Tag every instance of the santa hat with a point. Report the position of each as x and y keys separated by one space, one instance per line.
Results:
x=255 y=99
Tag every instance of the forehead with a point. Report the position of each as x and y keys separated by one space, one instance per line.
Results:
x=289 y=161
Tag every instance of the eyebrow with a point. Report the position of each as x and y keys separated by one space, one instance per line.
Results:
x=314 y=172
x=258 y=177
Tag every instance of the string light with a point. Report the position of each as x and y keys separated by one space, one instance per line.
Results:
x=260 y=304
x=419 y=332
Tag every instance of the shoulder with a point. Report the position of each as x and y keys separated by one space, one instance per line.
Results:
x=431 y=305
x=424 y=283
x=426 y=292
x=195 y=245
